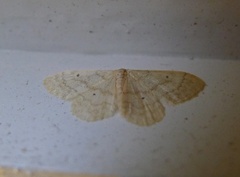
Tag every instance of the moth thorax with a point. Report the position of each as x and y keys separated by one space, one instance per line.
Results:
x=121 y=80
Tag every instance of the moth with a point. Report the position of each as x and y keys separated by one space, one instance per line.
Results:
x=136 y=94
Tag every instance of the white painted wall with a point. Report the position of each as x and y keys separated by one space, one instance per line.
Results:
x=197 y=138
x=209 y=29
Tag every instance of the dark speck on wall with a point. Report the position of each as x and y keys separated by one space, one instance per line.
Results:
x=230 y=143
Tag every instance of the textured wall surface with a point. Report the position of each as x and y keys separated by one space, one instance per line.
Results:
x=209 y=29
x=197 y=138
x=40 y=38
